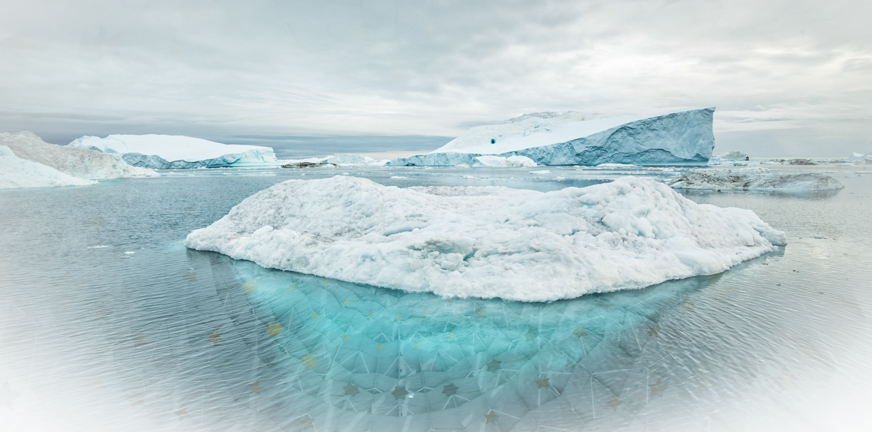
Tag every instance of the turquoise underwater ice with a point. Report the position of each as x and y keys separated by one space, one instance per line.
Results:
x=376 y=354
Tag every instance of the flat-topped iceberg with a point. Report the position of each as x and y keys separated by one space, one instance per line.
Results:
x=755 y=179
x=174 y=152
x=16 y=172
x=677 y=138
x=77 y=162
x=487 y=241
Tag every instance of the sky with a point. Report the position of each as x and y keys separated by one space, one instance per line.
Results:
x=788 y=78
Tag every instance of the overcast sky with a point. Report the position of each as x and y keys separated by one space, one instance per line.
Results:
x=788 y=77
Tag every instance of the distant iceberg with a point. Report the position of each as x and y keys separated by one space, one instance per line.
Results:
x=755 y=179
x=677 y=138
x=174 y=152
x=77 y=162
x=860 y=157
x=487 y=242
x=340 y=160
x=16 y=172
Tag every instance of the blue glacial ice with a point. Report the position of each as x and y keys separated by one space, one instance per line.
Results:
x=677 y=138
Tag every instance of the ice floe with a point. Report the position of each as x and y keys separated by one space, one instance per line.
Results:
x=487 y=241
x=755 y=179
x=77 y=162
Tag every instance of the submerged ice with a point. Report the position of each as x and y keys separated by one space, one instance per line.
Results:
x=487 y=242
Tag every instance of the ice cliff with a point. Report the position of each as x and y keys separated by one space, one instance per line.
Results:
x=677 y=138
x=487 y=241
x=172 y=152
x=16 y=172
x=756 y=179
x=77 y=162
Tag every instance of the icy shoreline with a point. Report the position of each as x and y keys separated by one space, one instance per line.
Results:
x=487 y=242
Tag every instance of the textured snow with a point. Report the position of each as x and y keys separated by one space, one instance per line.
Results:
x=677 y=138
x=487 y=241
x=16 y=172
x=173 y=151
x=755 y=179
x=77 y=162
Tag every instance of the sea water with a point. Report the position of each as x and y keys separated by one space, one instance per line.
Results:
x=107 y=322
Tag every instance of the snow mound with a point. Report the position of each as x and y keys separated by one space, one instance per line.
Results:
x=675 y=138
x=511 y=161
x=755 y=179
x=16 y=172
x=174 y=151
x=77 y=162
x=487 y=241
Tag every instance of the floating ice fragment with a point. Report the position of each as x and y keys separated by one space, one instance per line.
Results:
x=487 y=241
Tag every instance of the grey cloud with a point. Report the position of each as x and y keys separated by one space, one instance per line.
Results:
x=389 y=68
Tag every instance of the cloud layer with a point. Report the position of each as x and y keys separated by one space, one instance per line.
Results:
x=788 y=77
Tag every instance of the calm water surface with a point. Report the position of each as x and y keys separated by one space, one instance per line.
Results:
x=107 y=322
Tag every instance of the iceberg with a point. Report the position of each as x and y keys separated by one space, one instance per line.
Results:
x=511 y=161
x=77 y=162
x=677 y=138
x=756 y=179
x=860 y=157
x=179 y=152
x=16 y=172
x=487 y=242
x=734 y=156
x=341 y=160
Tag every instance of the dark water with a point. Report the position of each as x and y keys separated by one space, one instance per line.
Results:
x=108 y=323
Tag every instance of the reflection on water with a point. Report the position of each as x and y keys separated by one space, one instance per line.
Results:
x=108 y=322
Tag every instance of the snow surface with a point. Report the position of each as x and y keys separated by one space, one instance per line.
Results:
x=679 y=138
x=77 y=162
x=174 y=151
x=16 y=172
x=755 y=179
x=487 y=241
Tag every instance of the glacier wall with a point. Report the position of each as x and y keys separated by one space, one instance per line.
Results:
x=680 y=138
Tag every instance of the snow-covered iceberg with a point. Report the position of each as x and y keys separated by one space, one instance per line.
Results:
x=175 y=152
x=77 y=162
x=487 y=241
x=16 y=172
x=755 y=179
x=677 y=138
